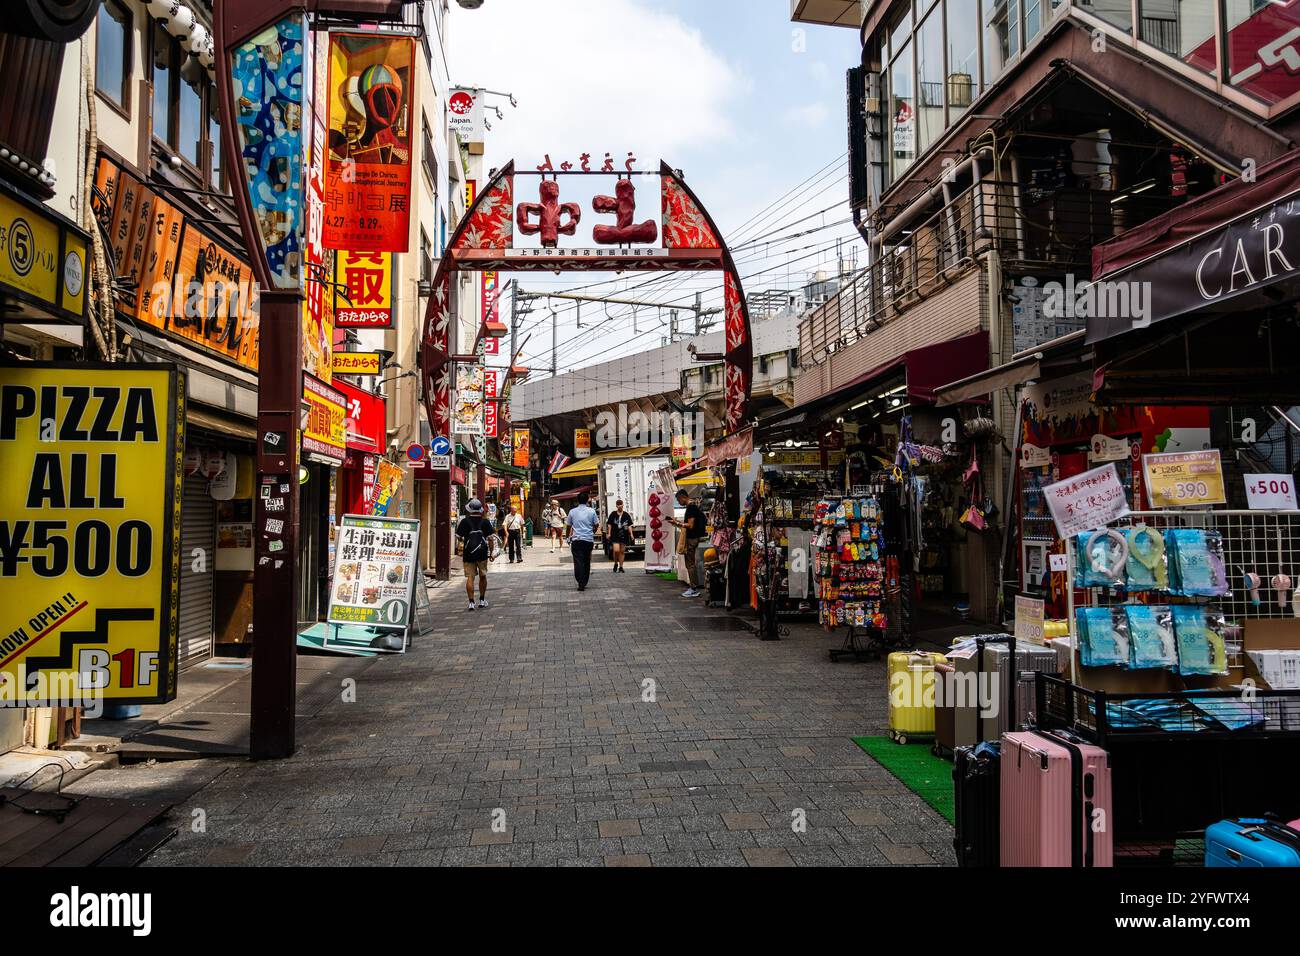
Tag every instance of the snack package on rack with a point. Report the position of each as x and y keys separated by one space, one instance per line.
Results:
x=1101 y=559
x=1103 y=636
x=1200 y=633
x=1147 y=569
x=1196 y=562
x=1153 y=642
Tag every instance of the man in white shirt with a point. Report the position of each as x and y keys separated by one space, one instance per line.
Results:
x=513 y=525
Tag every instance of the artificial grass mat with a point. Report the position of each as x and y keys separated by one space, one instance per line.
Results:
x=926 y=775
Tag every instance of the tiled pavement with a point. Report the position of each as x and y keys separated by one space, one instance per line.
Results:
x=520 y=736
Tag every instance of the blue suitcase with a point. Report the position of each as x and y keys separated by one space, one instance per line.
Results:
x=1251 y=842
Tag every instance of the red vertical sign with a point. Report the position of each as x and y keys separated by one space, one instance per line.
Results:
x=368 y=180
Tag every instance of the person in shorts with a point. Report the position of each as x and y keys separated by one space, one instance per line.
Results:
x=555 y=520
x=475 y=533
x=619 y=528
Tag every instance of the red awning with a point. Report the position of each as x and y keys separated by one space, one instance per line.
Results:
x=1273 y=182
x=934 y=366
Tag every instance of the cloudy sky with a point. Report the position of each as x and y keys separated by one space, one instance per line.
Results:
x=747 y=104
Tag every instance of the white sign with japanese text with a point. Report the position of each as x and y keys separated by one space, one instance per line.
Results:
x=1088 y=501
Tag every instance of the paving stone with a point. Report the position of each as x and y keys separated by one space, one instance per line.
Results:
x=620 y=828
x=905 y=855
x=635 y=859
x=744 y=821
x=760 y=856
x=539 y=715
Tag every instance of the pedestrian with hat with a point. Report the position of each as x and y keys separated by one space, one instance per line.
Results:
x=474 y=536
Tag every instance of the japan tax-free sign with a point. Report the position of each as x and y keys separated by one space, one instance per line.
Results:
x=1087 y=501
x=90 y=560
x=374 y=571
x=1190 y=479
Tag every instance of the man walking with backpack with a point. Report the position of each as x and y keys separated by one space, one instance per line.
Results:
x=475 y=534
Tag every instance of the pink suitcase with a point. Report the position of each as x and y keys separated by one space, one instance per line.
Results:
x=1056 y=802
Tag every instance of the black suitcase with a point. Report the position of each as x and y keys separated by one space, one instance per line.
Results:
x=976 y=779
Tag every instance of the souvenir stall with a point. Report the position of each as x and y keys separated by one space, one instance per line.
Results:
x=1182 y=657
x=1063 y=434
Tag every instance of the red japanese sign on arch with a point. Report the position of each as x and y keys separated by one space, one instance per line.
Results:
x=499 y=234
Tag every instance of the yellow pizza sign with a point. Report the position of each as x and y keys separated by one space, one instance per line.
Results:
x=89 y=533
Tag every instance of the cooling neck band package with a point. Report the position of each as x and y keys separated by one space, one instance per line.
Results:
x=1200 y=640
x=1151 y=634
x=1196 y=563
x=1100 y=559
x=1103 y=636
x=1146 y=569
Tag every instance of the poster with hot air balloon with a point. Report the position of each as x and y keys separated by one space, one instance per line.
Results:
x=368 y=176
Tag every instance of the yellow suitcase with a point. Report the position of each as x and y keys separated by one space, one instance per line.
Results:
x=911 y=694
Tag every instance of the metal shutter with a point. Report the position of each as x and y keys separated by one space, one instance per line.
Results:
x=198 y=531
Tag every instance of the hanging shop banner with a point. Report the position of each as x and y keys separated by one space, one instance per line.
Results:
x=1087 y=501
x=368 y=180
x=1271 y=492
x=1185 y=479
x=388 y=483
x=492 y=383
x=582 y=443
x=89 y=533
x=318 y=298
x=1105 y=448
x=374 y=571
x=523 y=447
x=357 y=363
x=738 y=446
x=365 y=421
x=491 y=423
x=187 y=284
x=1035 y=456
x=324 y=430
x=467 y=417
x=465 y=115
x=365 y=300
x=42 y=261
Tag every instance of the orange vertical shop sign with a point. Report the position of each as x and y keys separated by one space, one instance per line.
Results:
x=368 y=176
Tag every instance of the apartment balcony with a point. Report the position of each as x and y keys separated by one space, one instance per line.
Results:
x=1034 y=229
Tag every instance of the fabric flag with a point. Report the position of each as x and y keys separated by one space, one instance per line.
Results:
x=558 y=462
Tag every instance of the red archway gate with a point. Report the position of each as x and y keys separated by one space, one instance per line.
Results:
x=683 y=238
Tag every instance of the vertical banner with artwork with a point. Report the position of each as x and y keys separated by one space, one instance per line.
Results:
x=523 y=447
x=468 y=413
x=368 y=179
x=388 y=484
x=318 y=300
x=270 y=92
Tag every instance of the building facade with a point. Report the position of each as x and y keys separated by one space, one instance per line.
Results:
x=994 y=145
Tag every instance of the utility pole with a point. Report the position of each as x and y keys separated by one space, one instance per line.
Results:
x=514 y=320
x=672 y=325
x=555 y=343
x=699 y=314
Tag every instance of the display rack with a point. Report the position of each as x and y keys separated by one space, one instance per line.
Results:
x=1266 y=543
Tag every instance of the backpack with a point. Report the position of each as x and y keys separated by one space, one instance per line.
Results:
x=477 y=546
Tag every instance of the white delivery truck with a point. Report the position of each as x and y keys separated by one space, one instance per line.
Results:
x=626 y=480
